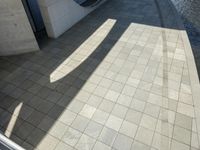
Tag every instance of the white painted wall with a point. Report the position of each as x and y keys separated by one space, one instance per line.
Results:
x=60 y=15
x=16 y=35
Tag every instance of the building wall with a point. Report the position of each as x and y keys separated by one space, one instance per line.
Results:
x=60 y=15
x=16 y=35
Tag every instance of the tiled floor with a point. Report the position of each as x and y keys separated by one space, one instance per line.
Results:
x=117 y=80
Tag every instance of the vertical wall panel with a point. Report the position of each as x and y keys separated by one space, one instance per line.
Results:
x=16 y=35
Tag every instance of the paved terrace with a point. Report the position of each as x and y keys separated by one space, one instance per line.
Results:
x=123 y=79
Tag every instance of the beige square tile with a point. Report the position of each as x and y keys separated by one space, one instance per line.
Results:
x=138 y=105
x=122 y=142
x=112 y=96
x=58 y=129
x=88 y=111
x=183 y=121
x=94 y=100
x=93 y=129
x=133 y=82
x=148 y=122
x=105 y=82
x=155 y=99
x=141 y=95
x=85 y=142
x=177 y=145
x=128 y=90
x=194 y=140
x=108 y=136
x=185 y=109
x=152 y=110
x=100 y=116
x=128 y=129
x=167 y=115
x=80 y=123
x=182 y=135
x=62 y=146
x=100 y=91
x=106 y=106
x=145 y=85
x=75 y=106
x=117 y=86
x=186 y=98
x=161 y=142
x=164 y=128
x=67 y=117
x=144 y=136
x=48 y=142
x=114 y=122
x=133 y=116
x=140 y=146
x=119 y=111
x=101 y=146
x=173 y=94
x=124 y=100
x=71 y=136
x=82 y=96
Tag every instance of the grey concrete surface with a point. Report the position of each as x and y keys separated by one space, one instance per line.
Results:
x=121 y=79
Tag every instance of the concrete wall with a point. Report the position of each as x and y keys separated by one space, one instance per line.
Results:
x=60 y=15
x=16 y=35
